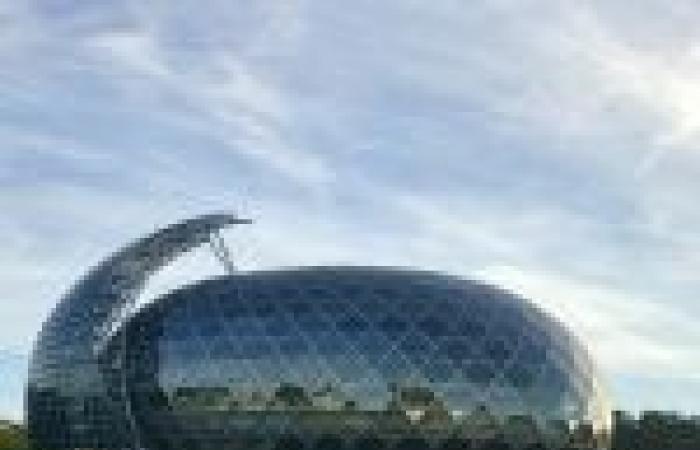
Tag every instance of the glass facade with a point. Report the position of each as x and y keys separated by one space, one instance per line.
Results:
x=319 y=354
x=313 y=358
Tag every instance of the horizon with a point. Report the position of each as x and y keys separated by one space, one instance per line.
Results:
x=549 y=149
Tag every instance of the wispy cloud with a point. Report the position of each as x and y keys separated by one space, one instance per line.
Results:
x=547 y=148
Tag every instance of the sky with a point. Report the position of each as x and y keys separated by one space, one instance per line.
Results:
x=551 y=148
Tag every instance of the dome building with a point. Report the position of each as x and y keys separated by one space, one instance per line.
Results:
x=306 y=357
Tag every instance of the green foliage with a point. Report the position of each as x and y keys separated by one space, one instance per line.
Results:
x=291 y=395
x=12 y=437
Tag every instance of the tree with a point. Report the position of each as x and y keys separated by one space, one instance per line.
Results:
x=12 y=437
x=291 y=395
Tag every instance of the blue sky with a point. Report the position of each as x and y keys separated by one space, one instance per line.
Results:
x=549 y=147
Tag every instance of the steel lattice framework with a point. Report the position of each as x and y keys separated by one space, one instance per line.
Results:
x=302 y=357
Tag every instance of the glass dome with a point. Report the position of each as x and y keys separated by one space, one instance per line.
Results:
x=347 y=356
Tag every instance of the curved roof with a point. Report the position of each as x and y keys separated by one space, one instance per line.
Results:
x=64 y=360
x=469 y=341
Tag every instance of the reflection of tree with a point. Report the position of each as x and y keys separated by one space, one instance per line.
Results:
x=481 y=420
x=330 y=398
x=418 y=402
x=157 y=398
x=198 y=396
x=290 y=395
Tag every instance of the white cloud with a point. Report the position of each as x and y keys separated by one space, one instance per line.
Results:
x=221 y=97
x=545 y=147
